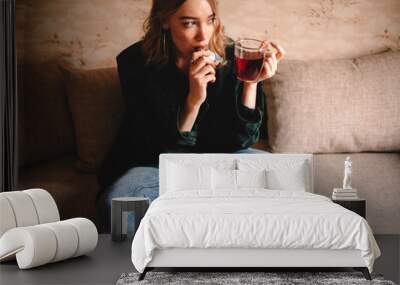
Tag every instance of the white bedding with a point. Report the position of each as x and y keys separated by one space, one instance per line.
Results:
x=251 y=218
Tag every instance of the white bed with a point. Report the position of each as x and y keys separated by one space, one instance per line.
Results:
x=247 y=210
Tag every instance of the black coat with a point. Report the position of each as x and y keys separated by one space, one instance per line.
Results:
x=154 y=97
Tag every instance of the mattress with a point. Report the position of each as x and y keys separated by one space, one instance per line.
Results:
x=251 y=219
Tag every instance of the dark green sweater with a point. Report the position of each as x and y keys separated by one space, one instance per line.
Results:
x=154 y=98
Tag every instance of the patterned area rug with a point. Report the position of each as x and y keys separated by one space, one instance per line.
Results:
x=244 y=278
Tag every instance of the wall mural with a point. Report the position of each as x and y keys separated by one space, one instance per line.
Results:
x=89 y=33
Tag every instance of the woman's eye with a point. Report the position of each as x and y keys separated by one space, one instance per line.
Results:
x=212 y=20
x=189 y=24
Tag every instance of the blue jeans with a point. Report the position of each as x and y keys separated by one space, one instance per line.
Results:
x=139 y=181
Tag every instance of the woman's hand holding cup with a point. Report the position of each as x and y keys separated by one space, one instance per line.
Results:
x=256 y=60
x=271 y=61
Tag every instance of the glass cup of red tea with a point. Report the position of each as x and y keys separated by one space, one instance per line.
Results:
x=249 y=58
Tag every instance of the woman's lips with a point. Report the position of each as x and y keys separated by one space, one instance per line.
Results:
x=201 y=48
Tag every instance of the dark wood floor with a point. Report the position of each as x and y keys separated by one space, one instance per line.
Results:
x=110 y=260
x=102 y=266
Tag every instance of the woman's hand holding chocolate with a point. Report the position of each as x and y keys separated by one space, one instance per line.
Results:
x=201 y=72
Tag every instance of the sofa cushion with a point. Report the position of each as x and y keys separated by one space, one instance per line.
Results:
x=74 y=192
x=45 y=128
x=96 y=105
x=346 y=105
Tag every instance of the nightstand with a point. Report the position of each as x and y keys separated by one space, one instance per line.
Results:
x=119 y=214
x=358 y=206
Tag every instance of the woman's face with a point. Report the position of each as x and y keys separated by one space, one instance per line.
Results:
x=191 y=27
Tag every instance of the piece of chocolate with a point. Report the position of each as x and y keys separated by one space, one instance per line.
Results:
x=215 y=57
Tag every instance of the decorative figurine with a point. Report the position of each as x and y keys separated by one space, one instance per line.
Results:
x=347 y=173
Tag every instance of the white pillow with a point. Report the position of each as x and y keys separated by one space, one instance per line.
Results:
x=251 y=178
x=236 y=179
x=181 y=177
x=293 y=178
x=281 y=174
x=223 y=179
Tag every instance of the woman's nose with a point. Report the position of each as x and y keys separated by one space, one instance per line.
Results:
x=202 y=33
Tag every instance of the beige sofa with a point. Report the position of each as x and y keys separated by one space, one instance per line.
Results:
x=69 y=117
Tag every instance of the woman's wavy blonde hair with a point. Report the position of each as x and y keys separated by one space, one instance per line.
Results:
x=158 y=47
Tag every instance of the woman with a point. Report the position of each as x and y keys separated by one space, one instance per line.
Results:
x=178 y=99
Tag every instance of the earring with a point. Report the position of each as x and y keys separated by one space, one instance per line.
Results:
x=164 y=47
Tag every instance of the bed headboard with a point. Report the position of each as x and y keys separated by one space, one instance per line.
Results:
x=233 y=159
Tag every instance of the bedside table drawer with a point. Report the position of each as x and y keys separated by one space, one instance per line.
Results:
x=357 y=206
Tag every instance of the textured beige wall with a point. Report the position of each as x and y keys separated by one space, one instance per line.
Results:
x=90 y=33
